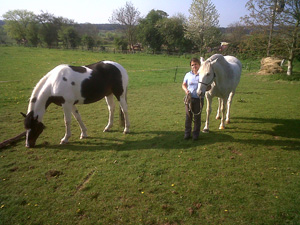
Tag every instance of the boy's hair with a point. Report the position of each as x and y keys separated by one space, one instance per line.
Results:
x=196 y=60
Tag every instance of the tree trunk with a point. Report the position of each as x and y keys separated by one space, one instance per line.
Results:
x=292 y=49
x=290 y=67
x=271 y=29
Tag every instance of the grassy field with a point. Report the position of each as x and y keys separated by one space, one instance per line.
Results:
x=246 y=174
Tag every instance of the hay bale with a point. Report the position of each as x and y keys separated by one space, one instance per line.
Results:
x=270 y=65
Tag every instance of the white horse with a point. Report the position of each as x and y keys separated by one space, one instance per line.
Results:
x=69 y=85
x=219 y=76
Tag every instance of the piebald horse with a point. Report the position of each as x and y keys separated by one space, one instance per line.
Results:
x=223 y=74
x=67 y=86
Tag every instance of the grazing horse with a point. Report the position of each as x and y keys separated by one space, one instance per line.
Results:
x=67 y=86
x=222 y=75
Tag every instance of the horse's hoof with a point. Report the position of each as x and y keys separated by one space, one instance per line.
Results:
x=205 y=131
x=83 y=135
x=227 y=121
x=63 y=142
x=106 y=130
x=221 y=128
x=126 y=132
x=218 y=117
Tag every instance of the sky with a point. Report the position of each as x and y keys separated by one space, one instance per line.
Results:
x=99 y=11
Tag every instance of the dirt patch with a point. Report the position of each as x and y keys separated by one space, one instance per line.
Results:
x=53 y=173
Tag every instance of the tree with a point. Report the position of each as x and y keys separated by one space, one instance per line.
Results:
x=127 y=16
x=264 y=14
x=68 y=36
x=254 y=45
x=48 y=32
x=289 y=23
x=148 y=32
x=88 y=41
x=121 y=43
x=202 y=24
x=32 y=33
x=235 y=33
x=16 y=24
x=3 y=36
x=50 y=26
x=172 y=31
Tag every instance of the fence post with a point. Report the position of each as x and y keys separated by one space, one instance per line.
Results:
x=175 y=74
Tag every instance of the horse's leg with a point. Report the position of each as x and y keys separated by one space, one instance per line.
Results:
x=229 y=101
x=67 y=117
x=223 y=108
x=208 y=111
x=218 y=116
x=79 y=120
x=111 y=109
x=124 y=108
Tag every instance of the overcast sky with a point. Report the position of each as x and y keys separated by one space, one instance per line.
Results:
x=99 y=11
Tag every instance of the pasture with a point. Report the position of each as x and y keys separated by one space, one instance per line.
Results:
x=248 y=173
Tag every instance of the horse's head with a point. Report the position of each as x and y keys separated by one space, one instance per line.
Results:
x=206 y=76
x=34 y=129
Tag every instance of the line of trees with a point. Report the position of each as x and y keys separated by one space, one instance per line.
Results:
x=271 y=28
x=29 y=29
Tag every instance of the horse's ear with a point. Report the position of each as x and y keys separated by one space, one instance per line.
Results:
x=201 y=60
x=214 y=61
x=23 y=114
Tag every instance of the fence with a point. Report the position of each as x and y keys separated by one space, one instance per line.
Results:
x=165 y=69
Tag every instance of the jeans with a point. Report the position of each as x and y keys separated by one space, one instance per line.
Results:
x=189 y=117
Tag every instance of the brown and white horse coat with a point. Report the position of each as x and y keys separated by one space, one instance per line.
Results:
x=70 y=85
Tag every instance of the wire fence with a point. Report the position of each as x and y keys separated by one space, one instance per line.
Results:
x=165 y=69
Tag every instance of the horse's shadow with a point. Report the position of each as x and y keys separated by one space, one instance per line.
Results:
x=285 y=133
x=167 y=140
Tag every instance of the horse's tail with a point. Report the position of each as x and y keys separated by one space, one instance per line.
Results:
x=121 y=115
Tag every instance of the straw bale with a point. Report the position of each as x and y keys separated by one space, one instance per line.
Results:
x=270 y=65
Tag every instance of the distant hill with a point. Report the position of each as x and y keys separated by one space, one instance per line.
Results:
x=108 y=27
x=104 y=27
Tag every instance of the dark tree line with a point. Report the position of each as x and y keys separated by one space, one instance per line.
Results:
x=47 y=30
x=44 y=29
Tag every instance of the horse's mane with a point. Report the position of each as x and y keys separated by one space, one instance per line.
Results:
x=207 y=63
x=36 y=91
x=222 y=61
x=217 y=56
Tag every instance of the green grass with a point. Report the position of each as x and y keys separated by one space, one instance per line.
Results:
x=246 y=174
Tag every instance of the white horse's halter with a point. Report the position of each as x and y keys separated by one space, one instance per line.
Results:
x=212 y=80
x=209 y=83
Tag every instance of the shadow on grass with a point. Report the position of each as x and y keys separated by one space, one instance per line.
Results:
x=168 y=140
x=284 y=133
x=288 y=128
x=284 y=77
